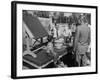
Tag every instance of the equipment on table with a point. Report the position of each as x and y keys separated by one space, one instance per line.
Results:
x=35 y=55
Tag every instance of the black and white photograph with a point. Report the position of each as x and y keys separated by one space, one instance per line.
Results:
x=54 y=39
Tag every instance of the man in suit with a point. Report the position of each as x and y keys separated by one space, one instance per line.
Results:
x=82 y=41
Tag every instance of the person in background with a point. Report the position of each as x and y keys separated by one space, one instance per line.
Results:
x=82 y=41
x=60 y=31
x=67 y=33
x=73 y=28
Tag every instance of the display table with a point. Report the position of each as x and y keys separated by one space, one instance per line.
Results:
x=43 y=59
